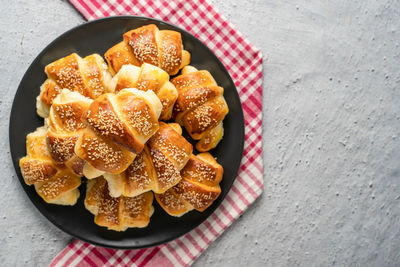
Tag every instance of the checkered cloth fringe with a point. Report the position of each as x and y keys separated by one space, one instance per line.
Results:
x=244 y=63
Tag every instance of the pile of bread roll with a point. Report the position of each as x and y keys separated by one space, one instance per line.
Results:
x=104 y=122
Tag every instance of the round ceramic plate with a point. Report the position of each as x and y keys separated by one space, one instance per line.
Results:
x=96 y=37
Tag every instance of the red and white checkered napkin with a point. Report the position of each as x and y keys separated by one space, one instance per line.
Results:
x=244 y=63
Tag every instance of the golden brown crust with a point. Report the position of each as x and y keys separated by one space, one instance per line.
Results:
x=88 y=76
x=66 y=120
x=143 y=44
x=194 y=79
x=200 y=171
x=157 y=168
x=169 y=152
x=200 y=107
x=102 y=118
x=93 y=73
x=119 y=55
x=61 y=183
x=138 y=176
x=147 y=77
x=170 y=51
x=125 y=119
x=76 y=164
x=147 y=44
x=49 y=91
x=173 y=145
x=68 y=117
x=198 y=189
x=172 y=203
x=61 y=146
x=137 y=112
x=198 y=195
x=101 y=154
x=66 y=73
x=36 y=170
x=37 y=166
x=136 y=211
x=117 y=213
x=196 y=96
x=205 y=117
x=53 y=182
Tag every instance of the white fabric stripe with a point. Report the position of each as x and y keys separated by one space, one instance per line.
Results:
x=216 y=226
x=169 y=255
x=221 y=215
x=178 y=249
x=144 y=255
x=79 y=258
x=229 y=209
x=113 y=259
x=197 y=238
x=80 y=7
x=235 y=198
x=207 y=233
x=190 y=247
x=70 y=253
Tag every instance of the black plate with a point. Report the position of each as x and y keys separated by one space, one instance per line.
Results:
x=96 y=37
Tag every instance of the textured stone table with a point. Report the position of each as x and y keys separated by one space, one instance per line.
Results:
x=331 y=134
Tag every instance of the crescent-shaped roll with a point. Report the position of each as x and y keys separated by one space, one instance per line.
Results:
x=198 y=189
x=127 y=119
x=53 y=182
x=118 y=213
x=101 y=156
x=157 y=168
x=148 y=44
x=66 y=121
x=147 y=77
x=200 y=107
x=88 y=76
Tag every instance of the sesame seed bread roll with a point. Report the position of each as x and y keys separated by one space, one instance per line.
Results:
x=198 y=189
x=119 y=213
x=38 y=165
x=100 y=155
x=53 y=182
x=66 y=121
x=148 y=44
x=88 y=76
x=127 y=119
x=157 y=168
x=200 y=107
x=61 y=189
x=147 y=77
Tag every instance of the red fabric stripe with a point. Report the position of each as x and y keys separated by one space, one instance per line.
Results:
x=83 y=4
x=194 y=242
x=173 y=252
x=149 y=257
x=185 y=248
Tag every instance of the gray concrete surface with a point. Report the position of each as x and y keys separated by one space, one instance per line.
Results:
x=331 y=134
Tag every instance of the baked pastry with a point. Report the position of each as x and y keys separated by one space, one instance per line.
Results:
x=148 y=44
x=127 y=119
x=66 y=121
x=120 y=125
x=198 y=189
x=101 y=155
x=54 y=183
x=88 y=76
x=147 y=77
x=157 y=168
x=118 y=213
x=200 y=107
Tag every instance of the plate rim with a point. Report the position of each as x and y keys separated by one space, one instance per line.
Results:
x=20 y=90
